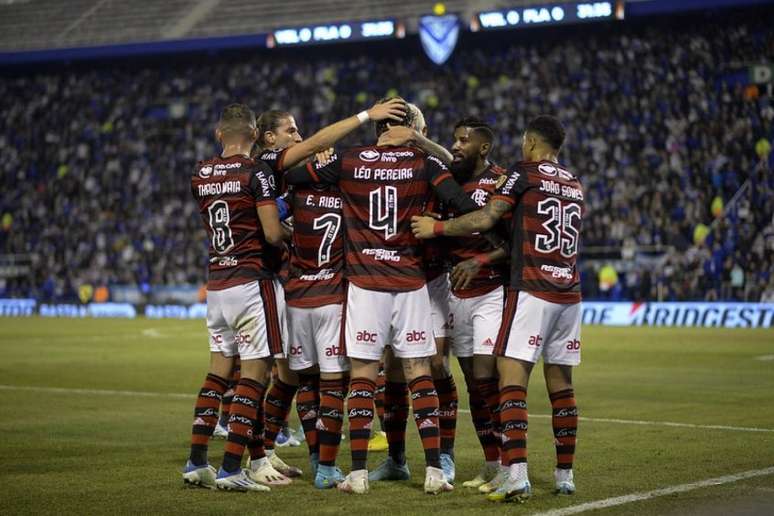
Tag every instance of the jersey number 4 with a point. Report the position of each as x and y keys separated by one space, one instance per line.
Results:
x=383 y=210
x=222 y=239
x=330 y=223
x=562 y=227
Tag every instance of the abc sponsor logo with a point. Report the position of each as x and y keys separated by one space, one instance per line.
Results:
x=416 y=336
x=334 y=351
x=535 y=341
x=295 y=351
x=243 y=338
x=573 y=346
x=365 y=336
x=217 y=338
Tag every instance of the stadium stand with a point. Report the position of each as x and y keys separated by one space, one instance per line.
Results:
x=34 y=24
x=675 y=155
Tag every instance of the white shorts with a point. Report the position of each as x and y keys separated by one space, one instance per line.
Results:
x=476 y=323
x=375 y=319
x=315 y=339
x=439 y=289
x=533 y=327
x=248 y=320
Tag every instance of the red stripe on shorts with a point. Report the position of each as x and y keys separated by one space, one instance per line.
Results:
x=273 y=332
x=509 y=313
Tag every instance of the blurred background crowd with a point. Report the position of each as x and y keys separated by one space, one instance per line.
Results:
x=673 y=149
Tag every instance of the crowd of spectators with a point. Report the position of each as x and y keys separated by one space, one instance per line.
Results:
x=96 y=161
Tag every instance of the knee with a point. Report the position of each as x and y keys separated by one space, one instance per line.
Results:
x=439 y=367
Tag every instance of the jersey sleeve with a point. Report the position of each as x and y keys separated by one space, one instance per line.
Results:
x=260 y=184
x=327 y=172
x=513 y=185
x=275 y=159
x=446 y=188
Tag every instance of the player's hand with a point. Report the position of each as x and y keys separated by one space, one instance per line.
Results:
x=397 y=136
x=463 y=273
x=325 y=156
x=394 y=109
x=422 y=227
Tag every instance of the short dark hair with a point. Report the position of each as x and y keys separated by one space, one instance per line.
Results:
x=269 y=121
x=407 y=120
x=549 y=128
x=478 y=126
x=236 y=118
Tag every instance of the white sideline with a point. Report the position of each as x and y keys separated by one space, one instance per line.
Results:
x=177 y=395
x=636 y=497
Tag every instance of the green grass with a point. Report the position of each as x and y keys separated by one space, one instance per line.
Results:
x=67 y=452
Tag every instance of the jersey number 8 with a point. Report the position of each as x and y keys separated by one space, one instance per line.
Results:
x=222 y=239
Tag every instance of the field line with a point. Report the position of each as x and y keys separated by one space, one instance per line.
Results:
x=177 y=395
x=636 y=497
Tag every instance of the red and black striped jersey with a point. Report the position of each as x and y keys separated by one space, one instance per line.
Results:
x=228 y=191
x=492 y=276
x=381 y=189
x=548 y=206
x=315 y=274
x=275 y=160
x=435 y=257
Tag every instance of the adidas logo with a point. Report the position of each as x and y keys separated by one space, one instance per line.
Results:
x=321 y=426
x=200 y=422
x=312 y=414
x=426 y=424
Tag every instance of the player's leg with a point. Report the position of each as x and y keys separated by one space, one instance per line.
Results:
x=561 y=354
x=447 y=404
x=333 y=366
x=249 y=310
x=242 y=422
x=414 y=344
x=197 y=471
x=303 y=361
x=360 y=406
x=378 y=441
x=519 y=345
x=438 y=290
x=396 y=402
x=486 y=314
x=225 y=405
x=366 y=330
x=279 y=398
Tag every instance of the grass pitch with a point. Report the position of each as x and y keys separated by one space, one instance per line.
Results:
x=69 y=447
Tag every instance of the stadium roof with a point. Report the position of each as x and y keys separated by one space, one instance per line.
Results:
x=50 y=24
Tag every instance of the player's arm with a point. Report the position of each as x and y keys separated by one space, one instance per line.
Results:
x=266 y=204
x=394 y=109
x=466 y=271
x=454 y=196
x=401 y=135
x=272 y=227
x=474 y=222
x=314 y=172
